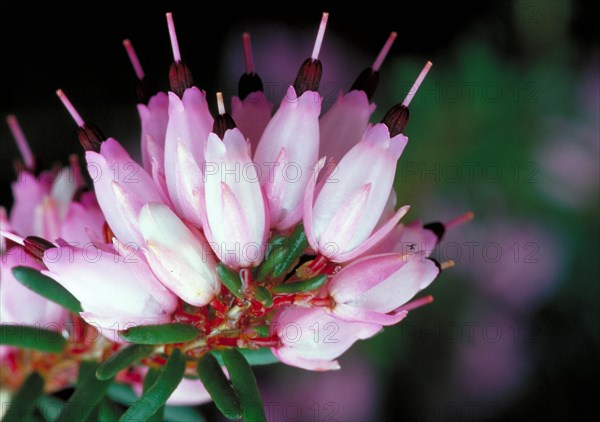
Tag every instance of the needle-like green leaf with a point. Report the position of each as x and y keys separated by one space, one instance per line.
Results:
x=218 y=386
x=160 y=391
x=34 y=338
x=160 y=334
x=122 y=359
x=47 y=287
x=243 y=380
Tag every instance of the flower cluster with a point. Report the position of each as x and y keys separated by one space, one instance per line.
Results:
x=257 y=230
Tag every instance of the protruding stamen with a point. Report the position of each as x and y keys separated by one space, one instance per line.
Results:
x=173 y=36
x=76 y=170
x=416 y=304
x=320 y=35
x=461 y=219
x=249 y=82
x=223 y=122
x=90 y=137
x=248 y=53
x=21 y=141
x=417 y=84
x=133 y=58
x=447 y=264
x=70 y=108
x=220 y=103
x=384 y=52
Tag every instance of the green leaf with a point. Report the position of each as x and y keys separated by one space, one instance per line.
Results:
x=149 y=380
x=160 y=391
x=50 y=407
x=46 y=287
x=243 y=380
x=160 y=334
x=295 y=245
x=122 y=359
x=269 y=264
x=231 y=280
x=263 y=296
x=307 y=285
x=32 y=338
x=218 y=386
x=259 y=357
x=122 y=393
x=23 y=403
x=88 y=393
x=182 y=414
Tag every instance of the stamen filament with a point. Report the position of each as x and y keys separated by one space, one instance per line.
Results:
x=320 y=35
x=417 y=84
x=249 y=60
x=220 y=103
x=384 y=52
x=461 y=219
x=21 y=141
x=133 y=58
x=173 y=36
x=416 y=304
x=70 y=108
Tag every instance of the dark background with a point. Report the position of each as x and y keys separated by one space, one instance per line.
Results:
x=550 y=43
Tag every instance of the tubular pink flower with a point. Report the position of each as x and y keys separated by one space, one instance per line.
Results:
x=82 y=218
x=312 y=339
x=287 y=153
x=189 y=124
x=178 y=255
x=122 y=187
x=28 y=192
x=408 y=238
x=372 y=289
x=236 y=220
x=251 y=115
x=344 y=124
x=115 y=291
x=154 y=118
x=341 y=220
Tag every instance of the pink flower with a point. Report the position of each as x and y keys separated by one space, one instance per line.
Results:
x=251 y=115
x=340 y=222
x=343 y=125
x=83 y=217
x=287 y=153
x=28 y=192
x=374 y=288
x=236 y=220
x=312 y=339
x=407 y=238
x=115 y=291
x=190 y=122
x=122 y=187
x=154 y=117
x=178 y=255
